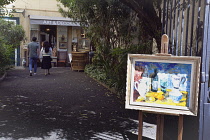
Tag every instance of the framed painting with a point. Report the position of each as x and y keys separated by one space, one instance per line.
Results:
x=62 y=45
x=163 y=84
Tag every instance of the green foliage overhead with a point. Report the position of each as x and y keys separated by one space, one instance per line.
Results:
x=114 y=76
x=149 y=12
x=3 y=10
x=108 y=23
x=5 y=2
x=114 y=31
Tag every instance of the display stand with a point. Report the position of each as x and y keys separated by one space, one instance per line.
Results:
x=160 y=117
x=140 y=125
x=79 y=60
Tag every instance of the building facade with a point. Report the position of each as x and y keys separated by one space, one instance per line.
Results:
x=41 y=19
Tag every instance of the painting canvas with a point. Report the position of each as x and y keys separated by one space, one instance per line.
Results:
x=63 y=45
x=165 y=84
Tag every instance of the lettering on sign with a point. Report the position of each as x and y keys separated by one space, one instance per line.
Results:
x=46 y=22
x=50 y=22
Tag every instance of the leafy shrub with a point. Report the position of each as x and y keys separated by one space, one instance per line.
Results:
x=10 y=37
x=5 y=55
x=112 y=71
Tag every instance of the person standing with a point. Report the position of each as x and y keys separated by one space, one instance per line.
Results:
x=33 y=49
x=46 y=53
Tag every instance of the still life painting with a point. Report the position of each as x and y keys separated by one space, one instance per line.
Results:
x=158 y=83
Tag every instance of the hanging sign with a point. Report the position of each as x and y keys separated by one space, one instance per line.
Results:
x=53 y=22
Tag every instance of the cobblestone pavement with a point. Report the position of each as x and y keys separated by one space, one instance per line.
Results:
x=65 y=105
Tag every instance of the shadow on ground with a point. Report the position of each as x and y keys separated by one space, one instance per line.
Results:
x=66 y=105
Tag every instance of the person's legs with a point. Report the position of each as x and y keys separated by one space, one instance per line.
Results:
x=48 y=71
x=30 y=65
x=45 y=72
x=35 y=64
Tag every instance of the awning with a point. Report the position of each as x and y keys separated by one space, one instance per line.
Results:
x=45 y=20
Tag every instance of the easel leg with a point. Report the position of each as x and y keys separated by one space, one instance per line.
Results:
x=160 y=126
x=140 y=125
x=160 y=118
x=180 y=127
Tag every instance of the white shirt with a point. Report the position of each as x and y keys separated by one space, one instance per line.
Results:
x=46 y=54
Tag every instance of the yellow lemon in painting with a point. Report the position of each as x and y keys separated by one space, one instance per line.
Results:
x=140 y=99
x=152 y=99
x=160 y=97
x=184 y=92
x=148 y=94
x=183 y=99
x=168 y=90
x=170 y=102
x=159 y=102
x=155 y=94
x=181 y=104
x=160 y=92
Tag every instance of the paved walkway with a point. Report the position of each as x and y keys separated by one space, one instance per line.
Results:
x=66 y=105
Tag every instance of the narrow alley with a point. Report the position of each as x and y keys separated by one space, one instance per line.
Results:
x=66 y=105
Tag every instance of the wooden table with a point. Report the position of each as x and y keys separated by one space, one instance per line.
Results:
x=79 y=60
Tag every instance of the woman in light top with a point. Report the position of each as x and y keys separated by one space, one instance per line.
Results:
x=46 y=52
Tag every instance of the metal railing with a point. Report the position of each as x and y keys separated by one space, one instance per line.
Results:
x=183 y=23
x=187 y=23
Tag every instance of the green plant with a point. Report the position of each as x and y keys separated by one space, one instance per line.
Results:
x=3 y=10
x=112 y=72
x=114 y=31
x=10 y=37
x=5 y=55
x=11 y=34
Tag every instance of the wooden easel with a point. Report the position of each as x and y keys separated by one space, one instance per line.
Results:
x=160 y=117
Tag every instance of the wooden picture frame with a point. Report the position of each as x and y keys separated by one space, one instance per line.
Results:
x=63 y=45
x=163 y=84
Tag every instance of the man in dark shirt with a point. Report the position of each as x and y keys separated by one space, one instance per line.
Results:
x=33 y=49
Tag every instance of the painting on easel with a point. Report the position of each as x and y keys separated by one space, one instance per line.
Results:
x=163 y=84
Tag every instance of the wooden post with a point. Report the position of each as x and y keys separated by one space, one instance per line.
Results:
x=164 y=44
x=160 y=117
x=160 y=127
x=140 y=125
x=180 y=127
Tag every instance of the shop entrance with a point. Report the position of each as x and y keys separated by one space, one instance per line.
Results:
x=48 y=33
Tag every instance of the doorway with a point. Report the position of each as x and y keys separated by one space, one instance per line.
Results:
x=48 y=33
